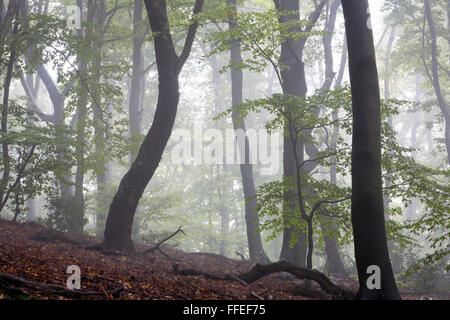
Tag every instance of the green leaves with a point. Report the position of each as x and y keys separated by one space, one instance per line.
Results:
x=260 y=34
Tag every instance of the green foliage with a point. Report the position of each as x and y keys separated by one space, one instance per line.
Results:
x=261 y=35
x=33 y=159
x=408 y=178
x=429 y=276
x=65 y=213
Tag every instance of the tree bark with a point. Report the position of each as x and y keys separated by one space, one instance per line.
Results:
x=387 y=95
x=434 y=77
x=136 y=77
x=367 y=197
x=255 y=246
x=259 y=271
x=334 y=262
x=4 y=114
x=294 y=83
x=123 y=207
x=100 y=113
x=82 y=112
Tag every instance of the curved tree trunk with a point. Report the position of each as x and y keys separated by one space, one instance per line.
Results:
x=123 y=207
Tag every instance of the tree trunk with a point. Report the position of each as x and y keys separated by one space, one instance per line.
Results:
x=123 y=207
x=57 y=98
x=82 y=111
x=224 y=214
x=4 y=113
x=367 y=197
x=387 y=95
x=434 y=77
x=136 y=77
x=294 y=83
x=34 y=85
x=334 y=262
x=100 y=113
x=255 y=246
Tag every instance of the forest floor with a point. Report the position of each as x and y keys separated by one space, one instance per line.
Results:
x=36 y=269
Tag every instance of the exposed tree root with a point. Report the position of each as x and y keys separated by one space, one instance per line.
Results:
x=325 y=284
x=52 y=235
x=259 y=271
x=17 y=285
x=306 y=291
x=106 y=251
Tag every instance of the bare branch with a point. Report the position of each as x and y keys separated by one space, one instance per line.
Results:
x=191 y=34
x=156 y=247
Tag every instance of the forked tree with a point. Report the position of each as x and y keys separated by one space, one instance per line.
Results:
x=123 y=207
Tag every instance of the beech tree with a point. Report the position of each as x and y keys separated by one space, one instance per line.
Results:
x=294 y=83
x=255 y=247
x=123 y=207
x=367 y=198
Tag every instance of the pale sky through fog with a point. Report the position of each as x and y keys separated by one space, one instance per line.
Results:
x=377 y=17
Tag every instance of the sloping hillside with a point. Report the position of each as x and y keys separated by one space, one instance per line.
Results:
x=36 y=269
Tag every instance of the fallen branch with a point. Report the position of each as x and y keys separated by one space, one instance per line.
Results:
x=52 y=235
x=237 y=253
x=260 y=271
x=17 y=282
x=156 y=247
x=14 y=293
x=325 y=284
x=257 y=296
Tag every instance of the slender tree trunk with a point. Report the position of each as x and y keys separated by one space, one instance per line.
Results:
x=434 y=77
x=99 y=111
x=255 y=246
x=4 y=114
x=387 y=95
x=222 y=183
x=412 y=208
x=334 y=262
x=224 y=214
x=136 y=77
x=294 y=83
x=367 y=197
x=34 y=85
x=82 y=110
x=123 y=207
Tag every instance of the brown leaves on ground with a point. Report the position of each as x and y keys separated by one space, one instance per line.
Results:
x=127 y=277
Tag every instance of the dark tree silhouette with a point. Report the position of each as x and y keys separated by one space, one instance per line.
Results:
x=294 y=83
x=123 y=207
x=367 y=197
